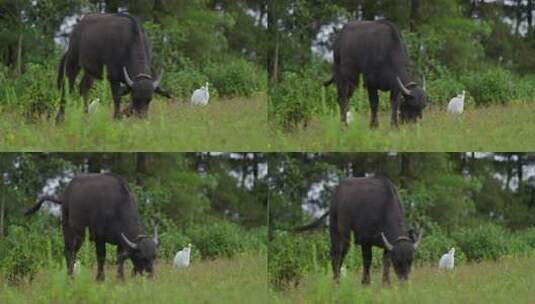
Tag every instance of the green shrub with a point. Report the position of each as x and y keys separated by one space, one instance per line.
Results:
x=24 y=251
x=436 y=243
x=218 y=239
x=285 y=261
x=486 y=241
x=297 y=99
x=235 y=77
x=490 y=86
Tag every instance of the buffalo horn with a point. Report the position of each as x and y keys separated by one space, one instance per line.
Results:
x=388 y=246
x=156 y=82
x=128 y=242
x=129 y=81
x=403 y=88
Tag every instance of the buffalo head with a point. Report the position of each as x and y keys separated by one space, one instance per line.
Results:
x=402 y=253
x=414 y=102
x=142 y=252
x=142 y=87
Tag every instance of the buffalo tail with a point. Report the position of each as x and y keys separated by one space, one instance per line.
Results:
x=41 y=200
x=315 y=224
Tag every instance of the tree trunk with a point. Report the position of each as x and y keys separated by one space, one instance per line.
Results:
x=19 y=56
x=529 y=14
x=273 y=47
x=414 y=17
x=2 y=212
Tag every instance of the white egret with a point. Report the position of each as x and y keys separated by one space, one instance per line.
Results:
x=182 y=257
x=456 y=104
x=201 y=96
x=447 y=261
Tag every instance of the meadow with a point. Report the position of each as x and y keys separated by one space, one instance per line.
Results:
x=241 y=279
x=233 y=124
x=505 y=281
x=491 y=128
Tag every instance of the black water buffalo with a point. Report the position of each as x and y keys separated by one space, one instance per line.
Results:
x=370 y=208
x=117 y=42
x=375 y=50
x=103 y=204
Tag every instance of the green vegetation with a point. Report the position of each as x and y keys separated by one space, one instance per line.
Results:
x=192 y=198
x=171 y=126
x=456 y=45
x=236 y=280
x=496 y=282
x=193 y=42
x=483 y=129
x=481 y=204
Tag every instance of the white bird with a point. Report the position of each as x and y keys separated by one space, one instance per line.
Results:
x=447 y=261
x=93 y=105
x=349 y=117
x=201 y=96
x=456 y=104
x=182 y=257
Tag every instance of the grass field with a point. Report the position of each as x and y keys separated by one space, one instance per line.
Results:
x=238 y=280
x=507 y=281
x=224 y=125
x=495 y=128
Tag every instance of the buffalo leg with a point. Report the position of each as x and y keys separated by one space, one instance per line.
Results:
x=339 y=248
x=116 y=92
x=366 y=261
x=374 y=106
x=394 y=105
x=73 y=242
x=386 y=268
x=101 y=258
x=85 y=86
x=121 y=257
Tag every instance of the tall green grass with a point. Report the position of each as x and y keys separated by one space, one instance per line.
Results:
x=238 y=124
x=238 y=280
x=492 y=128
x=507 y=281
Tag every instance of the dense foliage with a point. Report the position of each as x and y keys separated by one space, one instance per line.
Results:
x=482 y=47
x=481 y=204
x=176 y=192
x=192 y=41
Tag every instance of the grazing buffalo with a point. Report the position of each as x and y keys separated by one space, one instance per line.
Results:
x=370 y=208
x=103 y=204
x=117 y=42
x=375 y=50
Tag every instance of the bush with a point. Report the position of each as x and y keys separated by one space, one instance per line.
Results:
x=219 y=239
x=486 y=241
x=490 y=86
x=297 y=99
x=436 y=243
x=285 y=262
x=235 y=77
x=24 y=251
